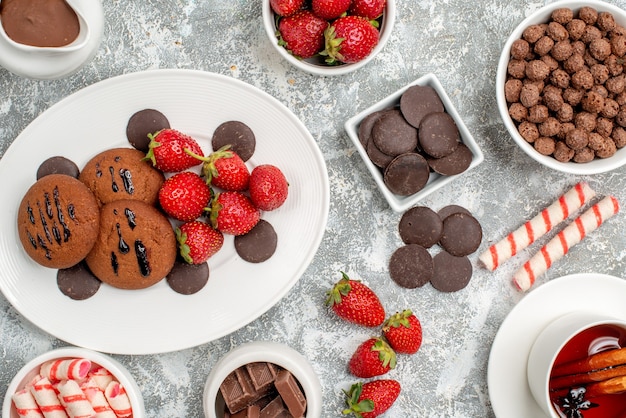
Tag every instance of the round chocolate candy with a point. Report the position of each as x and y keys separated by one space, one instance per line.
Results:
x=58 y=165
x=142 y=123
x=366 y=125
x=450 y=273
x=411 y=266
x=418 y=101
x=461 y=234
x=450 y=209
x=420 y=225
x=257 y=245
x=438 y=134
x=187 y=279
x=77 y=282
x=406 y=174
x=452 y=164
x=236 y=134
x=393 y=135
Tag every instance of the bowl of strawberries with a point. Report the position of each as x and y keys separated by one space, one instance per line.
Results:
x=328 y=37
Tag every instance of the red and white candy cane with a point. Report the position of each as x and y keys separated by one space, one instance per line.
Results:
x=118 y=399
x=56 y=370
x=47 y=399
x=558 y=246
x=101 y=376
x=74 y=400
x=25 y=405
x=95 y=395
x=522 y=237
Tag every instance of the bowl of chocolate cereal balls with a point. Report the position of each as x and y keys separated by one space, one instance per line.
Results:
x=561 y=86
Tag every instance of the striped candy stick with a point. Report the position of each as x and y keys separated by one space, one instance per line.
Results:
x=118 y=399
x=561 y=209
x=47 y=399
x=96 y=397
x=558 y=246
x=74 y=400
x=101 y=376
x=25 y=404
x=62 y=369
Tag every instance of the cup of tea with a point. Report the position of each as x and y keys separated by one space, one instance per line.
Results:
x=577 y=366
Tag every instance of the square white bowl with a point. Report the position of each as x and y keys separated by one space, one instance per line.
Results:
x=435 y=181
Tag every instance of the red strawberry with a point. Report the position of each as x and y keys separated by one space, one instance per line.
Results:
x=268 y=187
x=403 y=332
x=197 y=241
x=330 y=9
x=372 y=358
x=286 y=7
x=167 y=151
x=233 y=213
x=349 y=39
x=225 y=169
x=184 y=196
x=369 y=9
x=371 y=399
x=302 y=34
x=355 y=302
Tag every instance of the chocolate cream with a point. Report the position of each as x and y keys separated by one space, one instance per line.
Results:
x=41 y=23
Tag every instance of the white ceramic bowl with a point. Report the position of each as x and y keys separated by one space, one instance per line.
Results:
x=262 y=351
x=31 y=369
x=542 y=15
x=435 y=181
x=315 y=65
x=549 y=344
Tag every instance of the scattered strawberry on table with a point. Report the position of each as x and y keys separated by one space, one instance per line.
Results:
x=371 y=399
x=403 y=332
x=373 y=357
x=343 y=31
x=355 y=302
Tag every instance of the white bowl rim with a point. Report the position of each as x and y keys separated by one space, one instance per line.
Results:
x=387 y=25
x=121 y=374
x=541 y=15
x=267 y=351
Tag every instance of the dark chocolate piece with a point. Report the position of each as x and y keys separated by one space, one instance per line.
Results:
x=420 y=225
x=58 y=165
x=238 y=391
x=236 y=134
x=450 y=209
x=252 y=411
x=450 y=273
x=411 y=266
x=290 y=392
x=275 y=409
x=393 y=135
x=406 y=174
x=77 y=282
x=418 y=101
x=186 y=278
x=142 y=123
x=438 y=134
x=366 y=125
x=455 y=163
x=257 y=245
x=461 y=235
x=262 y=374
x=379 y=158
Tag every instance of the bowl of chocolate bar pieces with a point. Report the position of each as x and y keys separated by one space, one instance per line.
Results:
x=262 y=378
x=561 y=86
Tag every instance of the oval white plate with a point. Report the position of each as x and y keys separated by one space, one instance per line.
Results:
x=508 y=387
x=158 y=319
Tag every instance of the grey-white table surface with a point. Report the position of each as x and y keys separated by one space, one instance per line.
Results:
x=458 y=41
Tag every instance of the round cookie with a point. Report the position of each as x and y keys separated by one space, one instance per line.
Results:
x=77 y=282
x=406 y=174
x=461 y=235
x=121 y=173
x=438 y=134
x=393 y=135
x=58 y=165
x=452 y=164
x=142 y=123
x=257 y=245
x=187 y=279
x=418 y=101
x=420 y=225
x=136 y=246
x=58 y=221
x=236 y=134
x=411 y=266
x=450 y=273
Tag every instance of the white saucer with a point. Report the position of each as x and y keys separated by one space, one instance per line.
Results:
x=508 y=388
x=45 y=66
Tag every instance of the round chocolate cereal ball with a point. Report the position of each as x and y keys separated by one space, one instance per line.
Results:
x=517 y=68
x=606 y=21
x=592 y=102
x=600 y=73
x=512 y=89
x=618 y=45
x=577 y=139
x=600 y=49
x=590 y=61
x=562 y=15
x=528 y=131
x=538 y=113
x=530 y=95
x=575 y=28
x=584 y=155
x=615 y=84
x=520 y=49
x=621 y=98
x=560 y=78
x=543 y=45
x=604 y=126
x=549 y=127
x=537 y=70
x=611 y=107
x=579 y=47
x=585 y=121
x=575 y=62
x=562 y=152
x=565 y=128
x=573 y=96
x=565 y=113
x=552 y=97
x=619 y=136
x=614 y=64
x=582 y=79
x=618 y=30
x=550 y=62
x=533 y=33
x=601 y=90
x=590 y=33
x=518 y=112
x=545 y=145
x=557 y=31
x=620 y=118
x=588 y=14
x=603 y=146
